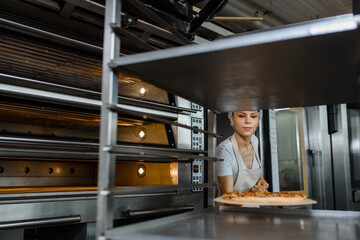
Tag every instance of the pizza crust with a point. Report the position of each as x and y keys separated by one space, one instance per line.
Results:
x=265 y=197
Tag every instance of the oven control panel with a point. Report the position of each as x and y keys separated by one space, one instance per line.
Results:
x=197 y=143
x=196 y=106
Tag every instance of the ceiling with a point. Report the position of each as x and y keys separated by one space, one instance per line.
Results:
x=280 y=12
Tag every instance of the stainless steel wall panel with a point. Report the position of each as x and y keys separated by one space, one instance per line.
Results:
x=320 y=160
x=341 y=162
x=354 y=148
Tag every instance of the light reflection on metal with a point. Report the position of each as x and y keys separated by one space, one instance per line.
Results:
x=141 y=171
x=143 y=91
x=326 y=28
x=142 y=133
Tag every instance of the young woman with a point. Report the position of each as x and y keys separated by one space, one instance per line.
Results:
x=241 y=169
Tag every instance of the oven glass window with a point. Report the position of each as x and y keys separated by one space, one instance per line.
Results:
x=290 y=146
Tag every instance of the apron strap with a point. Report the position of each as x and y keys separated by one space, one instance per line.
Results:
x=256 y=155
x=238 y=155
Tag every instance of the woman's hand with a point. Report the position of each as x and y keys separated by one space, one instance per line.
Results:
x=260 y=186
x=227 y=182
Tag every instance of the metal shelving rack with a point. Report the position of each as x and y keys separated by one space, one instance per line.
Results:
x=294 y=65
x=109 y=150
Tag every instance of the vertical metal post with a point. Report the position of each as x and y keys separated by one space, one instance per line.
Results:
x=211 y=152
x=108 y=127
x=273 y=152
x=341 y=161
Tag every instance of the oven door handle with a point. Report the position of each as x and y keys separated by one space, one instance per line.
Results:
x=155 y=211
x=40 y=222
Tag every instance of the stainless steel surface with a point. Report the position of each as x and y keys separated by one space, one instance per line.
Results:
x=211 y=173
x=27 y=209
x=308 y=157
x=354 y=136
x=40 y=222
x=357 y=196
x=320 y=159
x=274 y=161
x=341 y=162
x=183 y=134
x=34 y=195
x=161 y=188
x=247 y=223
x=165 y=152
x=305 y=53
x=108 y=125
x=87 y=150
x=152 y=212
x=13 y=234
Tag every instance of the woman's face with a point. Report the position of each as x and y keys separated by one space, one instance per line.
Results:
x=245 y=122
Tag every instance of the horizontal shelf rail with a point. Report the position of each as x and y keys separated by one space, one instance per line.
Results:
x=30 y=147
x=160 y=188
x=49 y=35
x=36 y=94
x=147 y=116
x=67 y=195
x=165 y=152
x=63 y=89
x=27 y=223
x=152 y=212
x=82 y=156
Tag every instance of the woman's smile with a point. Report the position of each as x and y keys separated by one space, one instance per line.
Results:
x=247 y=128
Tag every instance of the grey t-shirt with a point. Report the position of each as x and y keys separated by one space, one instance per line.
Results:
x=229 y=166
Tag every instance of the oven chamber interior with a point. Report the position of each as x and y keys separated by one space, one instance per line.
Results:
x=49 y=150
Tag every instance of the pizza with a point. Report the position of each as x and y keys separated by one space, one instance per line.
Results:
x=265 y=197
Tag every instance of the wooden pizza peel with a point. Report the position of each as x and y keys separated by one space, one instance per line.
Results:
x=307 y=201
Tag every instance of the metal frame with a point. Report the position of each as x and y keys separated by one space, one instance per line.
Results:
x=219 y=95
x=108 y=125
x=108 y=130
x=159 y=20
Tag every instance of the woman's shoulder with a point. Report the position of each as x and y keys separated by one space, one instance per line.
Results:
x=226 y=144
x=255 y=140
x=224 y=148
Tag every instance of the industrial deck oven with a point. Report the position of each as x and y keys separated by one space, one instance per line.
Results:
x=50 y=120
x=50 y=99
